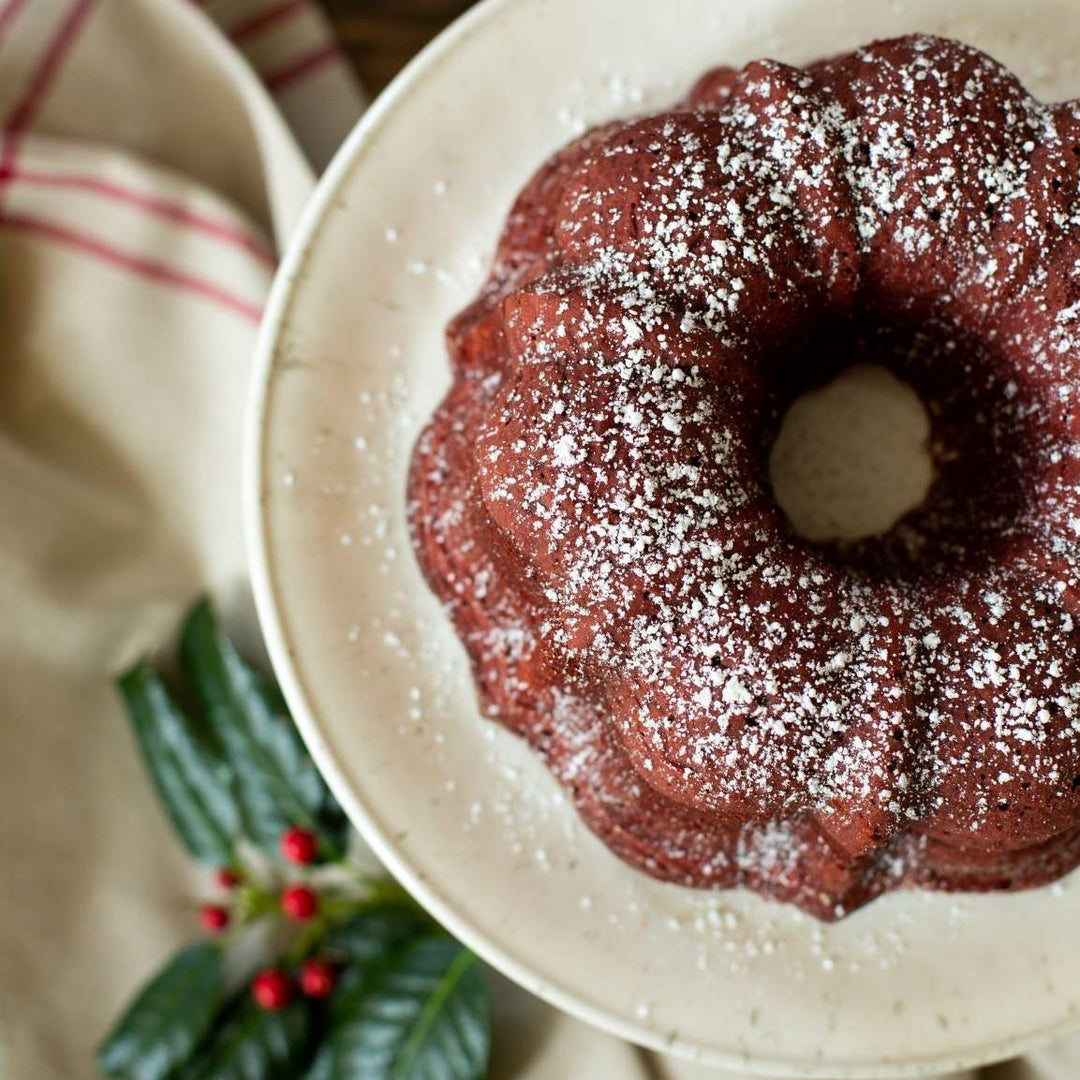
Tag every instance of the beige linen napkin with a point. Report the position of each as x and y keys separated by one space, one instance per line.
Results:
x=147 y=178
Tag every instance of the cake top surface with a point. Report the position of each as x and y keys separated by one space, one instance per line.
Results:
x=694 y=259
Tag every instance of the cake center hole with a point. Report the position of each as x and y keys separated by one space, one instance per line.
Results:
x=853 y=457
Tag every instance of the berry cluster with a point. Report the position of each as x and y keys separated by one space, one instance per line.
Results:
x=273 y=988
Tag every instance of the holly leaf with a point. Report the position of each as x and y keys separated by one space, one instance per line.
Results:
x=277 y=783
x=250 y=1043
x=365 y=942
x=168 y=1019
x=194 y=786
x=424 y=1015
x=369 y=937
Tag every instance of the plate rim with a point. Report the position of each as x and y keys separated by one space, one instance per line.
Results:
x=266 y=368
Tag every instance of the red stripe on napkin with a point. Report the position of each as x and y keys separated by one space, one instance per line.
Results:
x=264 y=20
x=38 y=87
x=150 y=269
x=156 y=207
x=278 y=80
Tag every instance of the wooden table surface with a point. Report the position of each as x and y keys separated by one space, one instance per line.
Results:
x=382 y=35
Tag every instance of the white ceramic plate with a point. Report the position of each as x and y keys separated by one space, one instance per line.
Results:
x=396 y=241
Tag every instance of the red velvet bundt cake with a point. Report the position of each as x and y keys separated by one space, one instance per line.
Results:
x=727 y=703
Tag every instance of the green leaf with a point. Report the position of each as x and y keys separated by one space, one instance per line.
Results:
x=368 y=938
x=193 y=785
x=277 y=783
x=252 y=1044
x=366 y=942
x=166 y=1022
x=423 y=1016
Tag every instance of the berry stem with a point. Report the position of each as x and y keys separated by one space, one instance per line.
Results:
x=307 y=941
x=253 y=904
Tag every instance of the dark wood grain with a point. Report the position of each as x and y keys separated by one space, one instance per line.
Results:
x=381 y=36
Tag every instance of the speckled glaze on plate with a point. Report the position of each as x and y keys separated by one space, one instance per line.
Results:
x=352 y=362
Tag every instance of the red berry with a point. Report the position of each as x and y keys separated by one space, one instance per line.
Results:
x=299 y=846
x=300 y=903
x=272 y=989
x=214 y=918
x=318 y=978
x=226 y=878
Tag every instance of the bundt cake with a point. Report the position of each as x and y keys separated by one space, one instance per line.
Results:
x=728 y=703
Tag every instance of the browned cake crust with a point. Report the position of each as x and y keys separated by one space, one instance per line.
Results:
x=727 y=704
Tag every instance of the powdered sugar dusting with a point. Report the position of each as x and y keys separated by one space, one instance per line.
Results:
x=726 y=703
